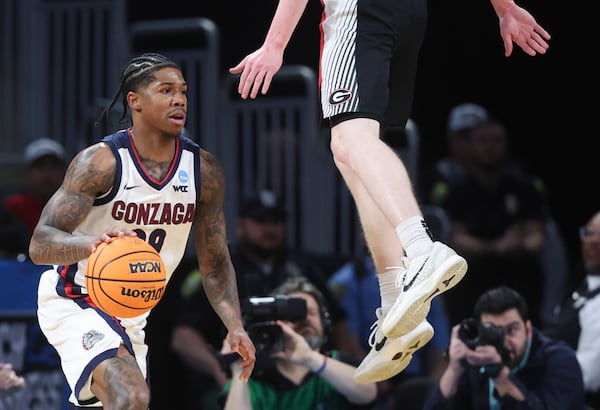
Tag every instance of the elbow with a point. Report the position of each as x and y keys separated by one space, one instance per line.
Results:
x=34 y=254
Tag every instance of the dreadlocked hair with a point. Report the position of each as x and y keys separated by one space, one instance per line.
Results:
x=138 y=73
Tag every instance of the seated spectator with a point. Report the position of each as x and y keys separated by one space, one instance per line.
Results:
x=303 y=376
x=497 y=215
x=9 y=380
x=503 y=362
x=575 y=320
x=45 y=162
x=357 y=287
x=453 y=167
x=263 y=261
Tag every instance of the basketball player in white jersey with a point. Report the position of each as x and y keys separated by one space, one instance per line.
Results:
x=368 y=66
x=150 y=181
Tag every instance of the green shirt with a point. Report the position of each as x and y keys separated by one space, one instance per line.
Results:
x=314 y=393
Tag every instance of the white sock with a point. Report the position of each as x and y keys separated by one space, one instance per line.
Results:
x=415 y=237
x=388 y=290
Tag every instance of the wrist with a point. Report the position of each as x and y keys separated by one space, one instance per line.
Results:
x=322 y=365
x=493 y=371
x=501 y=7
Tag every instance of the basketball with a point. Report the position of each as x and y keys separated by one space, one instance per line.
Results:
x=126 y=277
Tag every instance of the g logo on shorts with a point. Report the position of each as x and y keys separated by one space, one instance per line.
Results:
x=339 y=96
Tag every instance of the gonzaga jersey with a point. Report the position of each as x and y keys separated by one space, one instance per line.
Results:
x=161 y=212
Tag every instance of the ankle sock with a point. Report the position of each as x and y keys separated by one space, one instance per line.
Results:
x=415 y=236
x=387 y=288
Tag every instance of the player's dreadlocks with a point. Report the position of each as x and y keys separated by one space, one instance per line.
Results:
x=139 y=72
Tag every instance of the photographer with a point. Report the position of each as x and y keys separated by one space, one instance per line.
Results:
x=506 y=363
x=302 y=377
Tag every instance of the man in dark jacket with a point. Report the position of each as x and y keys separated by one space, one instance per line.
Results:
x=500 y=361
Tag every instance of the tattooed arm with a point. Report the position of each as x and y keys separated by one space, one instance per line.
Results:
x=91 y=172
x=214 y=260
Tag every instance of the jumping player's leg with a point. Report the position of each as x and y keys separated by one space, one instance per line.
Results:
x=367 y=78
x=388 y=356
x=383 y=244
x=374 y=173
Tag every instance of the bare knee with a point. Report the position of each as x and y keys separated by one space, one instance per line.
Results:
x=338 y=149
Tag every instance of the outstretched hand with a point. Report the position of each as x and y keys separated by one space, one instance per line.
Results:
x=258 y=69
x=519 y=26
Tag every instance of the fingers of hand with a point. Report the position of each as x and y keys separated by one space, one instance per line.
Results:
x=242 y=351
x=247 y=366
x=538 y=42
x=540 y=31
x=267 y=82
x=257 y=83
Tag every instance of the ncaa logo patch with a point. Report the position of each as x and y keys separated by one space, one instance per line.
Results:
x=339 y=96
x=183 y=176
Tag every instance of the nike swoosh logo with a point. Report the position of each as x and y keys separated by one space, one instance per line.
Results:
x=127 y=188
x=412 y=281
x=379 y=345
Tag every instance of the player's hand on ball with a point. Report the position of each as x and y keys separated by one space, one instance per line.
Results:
x=125 y=277
x=109 y=235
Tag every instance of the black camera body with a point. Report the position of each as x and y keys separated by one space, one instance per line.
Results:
x=259 y=314
x=474 y=333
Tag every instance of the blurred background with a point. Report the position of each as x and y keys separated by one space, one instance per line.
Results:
x=60 y=62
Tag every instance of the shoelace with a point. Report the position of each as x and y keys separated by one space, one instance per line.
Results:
x=392 y=288
x=398 y=283
x=401 y=277
x=374 y=326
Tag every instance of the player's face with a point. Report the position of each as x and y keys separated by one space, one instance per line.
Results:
x=163 y=103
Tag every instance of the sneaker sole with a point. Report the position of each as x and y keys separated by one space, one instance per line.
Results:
x=410 y=312
x=391 y=367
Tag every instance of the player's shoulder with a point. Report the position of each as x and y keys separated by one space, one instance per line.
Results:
x=95 y=160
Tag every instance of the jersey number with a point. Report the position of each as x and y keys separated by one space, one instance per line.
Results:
x=156 y=238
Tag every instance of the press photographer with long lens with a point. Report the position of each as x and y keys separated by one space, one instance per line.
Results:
x=301 y=376
x=260 y=318
x=500 y=361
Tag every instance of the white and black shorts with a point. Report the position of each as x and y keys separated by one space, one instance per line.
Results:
x=369 y=57
x=84 y=336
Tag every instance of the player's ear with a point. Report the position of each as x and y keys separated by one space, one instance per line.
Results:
x=133 y=100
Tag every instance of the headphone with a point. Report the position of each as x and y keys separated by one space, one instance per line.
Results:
x=303 y=285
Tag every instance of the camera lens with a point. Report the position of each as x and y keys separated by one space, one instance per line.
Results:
x=267 y=337
x=263 y=340
x=469 y=332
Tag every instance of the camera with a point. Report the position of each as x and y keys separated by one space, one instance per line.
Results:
x=259 y=314
x=474 y=333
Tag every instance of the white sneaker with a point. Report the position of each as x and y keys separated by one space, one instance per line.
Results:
x=427 y=276
x=388 y=357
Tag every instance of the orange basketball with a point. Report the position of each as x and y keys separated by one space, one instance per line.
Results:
x=126 y=277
